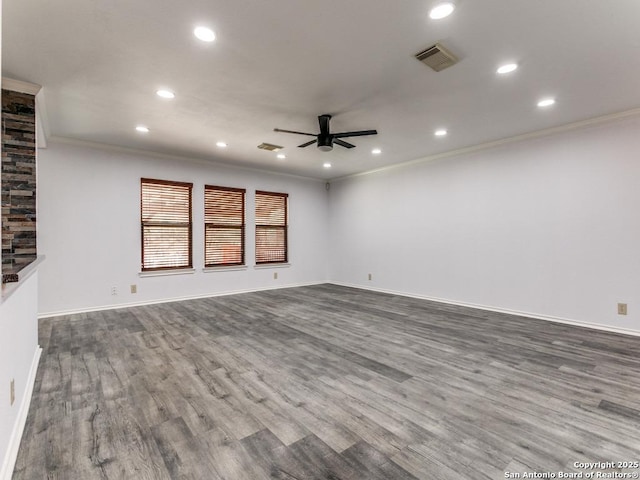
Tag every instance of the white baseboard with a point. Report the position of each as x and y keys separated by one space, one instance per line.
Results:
x=169 y=300
x=548 y=318
x=18 y=427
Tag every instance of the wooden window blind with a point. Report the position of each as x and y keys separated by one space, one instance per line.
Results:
x=271 y=227
x=166 y=224
x=223 y=226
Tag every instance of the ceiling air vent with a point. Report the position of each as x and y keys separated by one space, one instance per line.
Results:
x=437 y=57
x=270 y=146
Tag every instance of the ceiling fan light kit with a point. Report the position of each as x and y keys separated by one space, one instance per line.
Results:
x=326 y=146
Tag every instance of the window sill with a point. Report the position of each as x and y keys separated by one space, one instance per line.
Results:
x=164 y=273
x=231 y=268
x=271 y=265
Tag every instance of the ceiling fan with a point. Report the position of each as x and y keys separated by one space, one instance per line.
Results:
x=325 y=138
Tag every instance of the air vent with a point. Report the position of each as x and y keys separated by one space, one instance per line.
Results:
x=437 y=57
x=270 y=146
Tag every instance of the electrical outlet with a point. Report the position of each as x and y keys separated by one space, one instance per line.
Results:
x=275 y=275
x=622 y=309
x=114 y=290
x=370 y=276
x=12 y=391
x=134 y=289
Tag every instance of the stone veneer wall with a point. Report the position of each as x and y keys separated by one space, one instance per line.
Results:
x=18 y=183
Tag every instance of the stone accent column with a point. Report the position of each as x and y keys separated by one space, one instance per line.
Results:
x=18 y=183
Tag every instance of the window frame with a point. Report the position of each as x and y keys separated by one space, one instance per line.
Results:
x=144 y=224
x=242 y=227
x=284 y=228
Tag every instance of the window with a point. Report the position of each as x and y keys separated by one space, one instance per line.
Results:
x=166 y=224
x=271 y=227
x=223 y=226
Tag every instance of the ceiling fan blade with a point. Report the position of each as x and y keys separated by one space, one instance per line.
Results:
x=308 y=143
x=323 y=120
x=360 y=133
x=342 y=143
x=293 y=131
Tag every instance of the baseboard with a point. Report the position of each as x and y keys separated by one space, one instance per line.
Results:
x=169 y=300
x=548 y=318
x=18 y=427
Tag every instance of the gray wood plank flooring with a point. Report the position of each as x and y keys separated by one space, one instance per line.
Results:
x=325 y=382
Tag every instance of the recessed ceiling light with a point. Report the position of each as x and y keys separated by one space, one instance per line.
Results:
x=507 y=68
x=441 y=10
x=142 y=129
x=546 y=102
x=327 y=165
x=376 y=151
x=165 y=94
x=282 y=156
x=205 y=34
x=221 y=144
x=440 y=133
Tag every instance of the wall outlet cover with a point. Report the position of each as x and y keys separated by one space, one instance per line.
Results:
x=622 y=309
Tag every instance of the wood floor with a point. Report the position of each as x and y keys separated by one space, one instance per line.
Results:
x=326 y=382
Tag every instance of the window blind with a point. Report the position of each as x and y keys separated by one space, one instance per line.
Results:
x=166 y=224
x=271 y=227
x=224 y=226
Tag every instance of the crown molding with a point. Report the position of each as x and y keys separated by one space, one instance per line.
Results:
x=20 y=86
x=590 y=122
x=169 y=156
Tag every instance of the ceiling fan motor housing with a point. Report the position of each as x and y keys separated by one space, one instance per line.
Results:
x=325 y=143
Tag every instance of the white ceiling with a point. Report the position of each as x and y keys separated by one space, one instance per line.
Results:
x=280 y=63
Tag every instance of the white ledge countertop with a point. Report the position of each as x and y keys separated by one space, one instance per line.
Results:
x=10 y=287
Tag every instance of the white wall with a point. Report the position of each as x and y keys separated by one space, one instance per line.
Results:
x=89 y=228
x=18 y=352
x=547 y=226
x=544 y=226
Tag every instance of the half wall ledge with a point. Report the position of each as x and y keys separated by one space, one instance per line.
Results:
x=19 y=278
